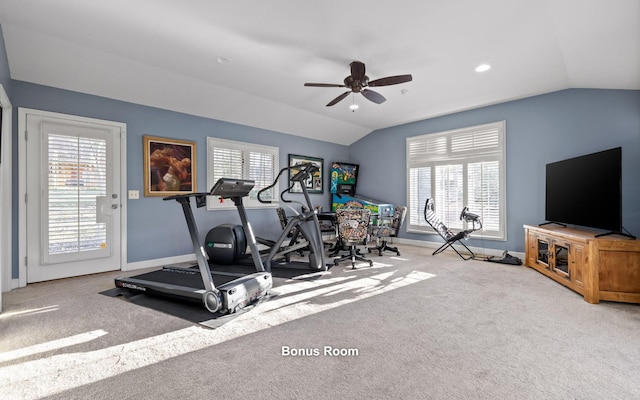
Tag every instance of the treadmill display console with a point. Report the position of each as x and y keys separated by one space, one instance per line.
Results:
x=227 y=187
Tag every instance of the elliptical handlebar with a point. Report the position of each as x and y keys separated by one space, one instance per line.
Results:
x=264 y=189
x=306 y=170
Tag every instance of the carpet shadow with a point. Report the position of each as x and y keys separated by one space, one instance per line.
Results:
x=190 y=311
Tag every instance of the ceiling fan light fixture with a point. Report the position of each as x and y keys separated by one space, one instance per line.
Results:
x=353 y=107
x=483 y=67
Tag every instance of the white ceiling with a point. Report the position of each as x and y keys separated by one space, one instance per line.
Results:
x=164 y=53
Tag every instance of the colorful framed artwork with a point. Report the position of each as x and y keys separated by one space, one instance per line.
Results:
x=169 y=166
x=314 y=184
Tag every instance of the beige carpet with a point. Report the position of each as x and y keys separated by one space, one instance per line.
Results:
x=415 y=326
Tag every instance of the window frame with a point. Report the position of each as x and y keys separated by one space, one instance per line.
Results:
x=435 y=149
x=245 y=148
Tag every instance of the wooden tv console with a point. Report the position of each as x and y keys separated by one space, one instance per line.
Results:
x=599 y=268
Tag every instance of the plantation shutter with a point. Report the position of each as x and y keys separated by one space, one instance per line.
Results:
x=263 y=170
x=420 y=179
x=76 y=180
x=465 y=167
x=228 y=162
x=449 y=194
x=484 y=192
x=239 y=160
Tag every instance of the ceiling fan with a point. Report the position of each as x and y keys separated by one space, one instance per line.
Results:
x=358 y=82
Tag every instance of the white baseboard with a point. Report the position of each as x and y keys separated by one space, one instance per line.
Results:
x=478 y=250
x=159 y=262
x=191 y=258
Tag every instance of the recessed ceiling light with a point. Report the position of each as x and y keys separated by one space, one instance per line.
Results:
x=483 y=67
x=404 y=91
x=224 y=60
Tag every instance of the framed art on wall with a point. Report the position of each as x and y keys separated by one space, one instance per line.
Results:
x=169 y=166
x=314 y=184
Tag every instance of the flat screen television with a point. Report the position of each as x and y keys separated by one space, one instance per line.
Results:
x=586 y=191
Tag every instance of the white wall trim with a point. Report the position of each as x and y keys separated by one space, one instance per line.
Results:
x=160 y=262
x=22 y=189
x=6 y=204
x=191 y=258
x=434 y=245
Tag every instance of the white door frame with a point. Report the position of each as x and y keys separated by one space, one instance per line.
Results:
x=22 y=186
x=6 y=182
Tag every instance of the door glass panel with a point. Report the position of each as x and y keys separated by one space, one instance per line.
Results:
x=543 y=252
x=562 y=258
x=77 y=170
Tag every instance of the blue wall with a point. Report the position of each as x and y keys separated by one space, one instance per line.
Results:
x=156 y=228
x=540 y=130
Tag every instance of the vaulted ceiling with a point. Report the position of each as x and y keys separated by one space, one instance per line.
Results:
x=247 y=61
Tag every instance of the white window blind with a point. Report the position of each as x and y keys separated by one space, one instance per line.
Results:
x=458 y=168
x=240 y=160
x=76 y=177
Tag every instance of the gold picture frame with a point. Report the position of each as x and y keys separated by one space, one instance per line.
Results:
x=169 y=166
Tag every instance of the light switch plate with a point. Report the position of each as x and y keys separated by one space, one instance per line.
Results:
x=134 y=194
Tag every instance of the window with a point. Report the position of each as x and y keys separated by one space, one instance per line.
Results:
x=76 y=184
x=233 y=159
x=463 y=167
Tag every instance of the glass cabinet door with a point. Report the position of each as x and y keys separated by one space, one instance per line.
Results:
x=543 y=252
x=561 y=259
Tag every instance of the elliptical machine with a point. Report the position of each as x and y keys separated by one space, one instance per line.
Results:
x=306 y=222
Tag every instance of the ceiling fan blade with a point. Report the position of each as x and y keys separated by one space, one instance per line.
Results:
x=391 y=80
x=324 y=85
x=373 y=96
x=337 y=99
x=357 y=71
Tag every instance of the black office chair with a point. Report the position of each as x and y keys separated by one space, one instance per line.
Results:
x=387 y=229
x=353 y=230
x=327 y=225
x=450 y=237
x=282 y=217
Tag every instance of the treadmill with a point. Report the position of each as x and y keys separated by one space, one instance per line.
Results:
x=218 y=291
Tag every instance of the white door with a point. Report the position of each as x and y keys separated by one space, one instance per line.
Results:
x=73 y=199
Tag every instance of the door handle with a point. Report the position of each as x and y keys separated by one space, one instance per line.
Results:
x=104 y=210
